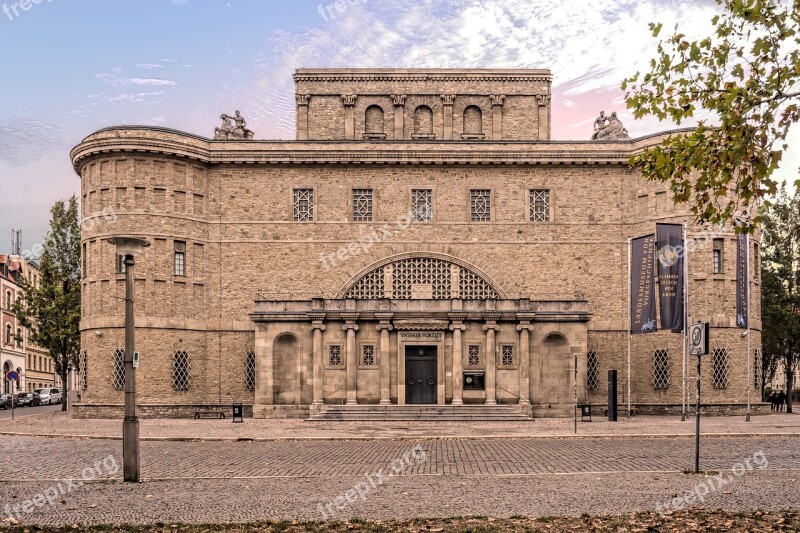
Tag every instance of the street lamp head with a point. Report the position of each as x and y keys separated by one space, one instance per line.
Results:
x=133 y=246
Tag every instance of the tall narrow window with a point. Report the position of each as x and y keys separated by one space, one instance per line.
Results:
x=756 y=261
x=660 y=369
x=507 y=355
x=757 y=369
x=480 y=205
x=368 y=355
x=19 y=338
x=473 y=355
x=304 y=205
x=335 y=355
x=719 y=368
x=8 y=299
x=718 y=257
x=121 y=268
x=591 y=370
x=539 y=205
x=180 y=258
x=118 y=374
x=421 y=205
x=362 y=205
x=180 y=370
x=83 y=262
x=84 y=370
x=250 y=370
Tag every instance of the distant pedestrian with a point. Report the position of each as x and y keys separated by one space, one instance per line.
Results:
x=781 y=401
x=773 y=400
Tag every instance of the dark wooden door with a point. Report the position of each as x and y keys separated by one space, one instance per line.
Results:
x=421 y=374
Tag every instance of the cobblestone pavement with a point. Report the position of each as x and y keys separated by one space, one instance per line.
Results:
x=245 y=481
x=61 y=424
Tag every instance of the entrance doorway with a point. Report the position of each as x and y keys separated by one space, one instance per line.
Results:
x=421 y=374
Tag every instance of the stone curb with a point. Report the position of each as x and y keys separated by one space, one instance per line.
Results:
x=403 y=438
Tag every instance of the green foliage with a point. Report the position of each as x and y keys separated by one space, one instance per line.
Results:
x=743 y=84
x=780 y=285
x=52 y=310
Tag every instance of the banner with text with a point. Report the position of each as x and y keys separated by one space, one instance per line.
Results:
x=643 y=292
x=671 y=255
x=742 y=277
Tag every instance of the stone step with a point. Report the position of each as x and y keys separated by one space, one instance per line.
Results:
x=432 y=413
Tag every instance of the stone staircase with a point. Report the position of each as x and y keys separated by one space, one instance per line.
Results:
x=424 y=413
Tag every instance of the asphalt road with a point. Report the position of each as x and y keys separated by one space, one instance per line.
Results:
x=28 y=411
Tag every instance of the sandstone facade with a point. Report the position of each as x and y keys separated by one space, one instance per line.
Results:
x=423 y=226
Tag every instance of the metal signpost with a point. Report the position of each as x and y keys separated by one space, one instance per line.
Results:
x=12 y=376
x=698 y=345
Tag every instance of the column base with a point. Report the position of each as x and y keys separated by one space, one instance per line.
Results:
x=457 y=402
x=490 y=402
x=351 y=402
x=385 y=402
x=524 y=402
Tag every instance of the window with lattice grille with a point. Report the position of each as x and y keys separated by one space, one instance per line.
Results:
x=369 y=287
x=480 y=205
x=180 y=370
x=421 y=205
x=368 y=355
x=507 y=355
x=758 y=369
x=362 y=205
x=473 y=355
x=304 y=205
x=719 y=368
x=335 y=355
x=84 y=370
x=539 y=205
x=250 y=370
x=660 y=369
x=420 y=272
x=118 y=374
x=591 y=370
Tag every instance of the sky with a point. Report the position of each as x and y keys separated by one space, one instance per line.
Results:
x=71 y=67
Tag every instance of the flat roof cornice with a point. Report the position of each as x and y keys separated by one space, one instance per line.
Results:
x=171 y=143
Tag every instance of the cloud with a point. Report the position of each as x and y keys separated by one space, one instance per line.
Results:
x=23 y=140
x=120 y=81
x=149 y=66
x=590 y=46
x=133 y=98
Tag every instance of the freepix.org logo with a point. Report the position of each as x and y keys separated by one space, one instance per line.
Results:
x=14 y=11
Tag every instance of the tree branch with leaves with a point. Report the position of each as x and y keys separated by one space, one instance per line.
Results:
x=742 y=85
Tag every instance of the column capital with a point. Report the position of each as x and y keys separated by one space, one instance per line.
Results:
x=457 y=326
x=491 y=327
x=318 y=325
x=497 y=99
x=399 y=99
x=384 y=325
x=525 y=326
x=543 y=99
x=349 y=99
x=302 y=99
x=448 y=99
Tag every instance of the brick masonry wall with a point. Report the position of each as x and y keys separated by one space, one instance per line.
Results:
x=236 y=221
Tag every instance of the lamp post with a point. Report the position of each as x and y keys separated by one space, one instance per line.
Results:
x=129 y=248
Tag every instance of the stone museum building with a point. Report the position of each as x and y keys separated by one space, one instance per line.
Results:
x=423 y=241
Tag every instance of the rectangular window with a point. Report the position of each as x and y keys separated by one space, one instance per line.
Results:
x=756 y=261
x=121 y=269
x=421 y=205
x=507 y=355
x=718 y=258
x=180 y=258
x=362 y=205
x=719 y=368
x=660 y=370
x=304 y=205
x=368 y=355
x=539 y=205
x=480 y=205
x=473 y=355
x=335 y=355
x=591 y=370
x=83 y=261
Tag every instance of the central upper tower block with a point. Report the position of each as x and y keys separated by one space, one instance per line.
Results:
x=423 y=104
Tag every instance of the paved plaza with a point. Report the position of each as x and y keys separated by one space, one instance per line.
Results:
x=245 y=481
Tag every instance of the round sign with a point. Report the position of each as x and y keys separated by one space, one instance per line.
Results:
x=12 y=376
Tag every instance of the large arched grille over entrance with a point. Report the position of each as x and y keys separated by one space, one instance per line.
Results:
x=421 y=278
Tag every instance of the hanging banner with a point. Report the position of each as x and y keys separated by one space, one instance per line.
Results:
x=742 y=276
x=643 y=292
x=671 y=255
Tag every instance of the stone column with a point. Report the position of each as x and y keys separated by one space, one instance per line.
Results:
x=447 y=102
x=349 y=101
x=491 y=357
x=351 y=358
x=544 y=116
x=318 y=327
x=302 y=116
x=384 y=327
x=399 y=101
x=524 y=329
x=497 y=116
x=457 y=326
